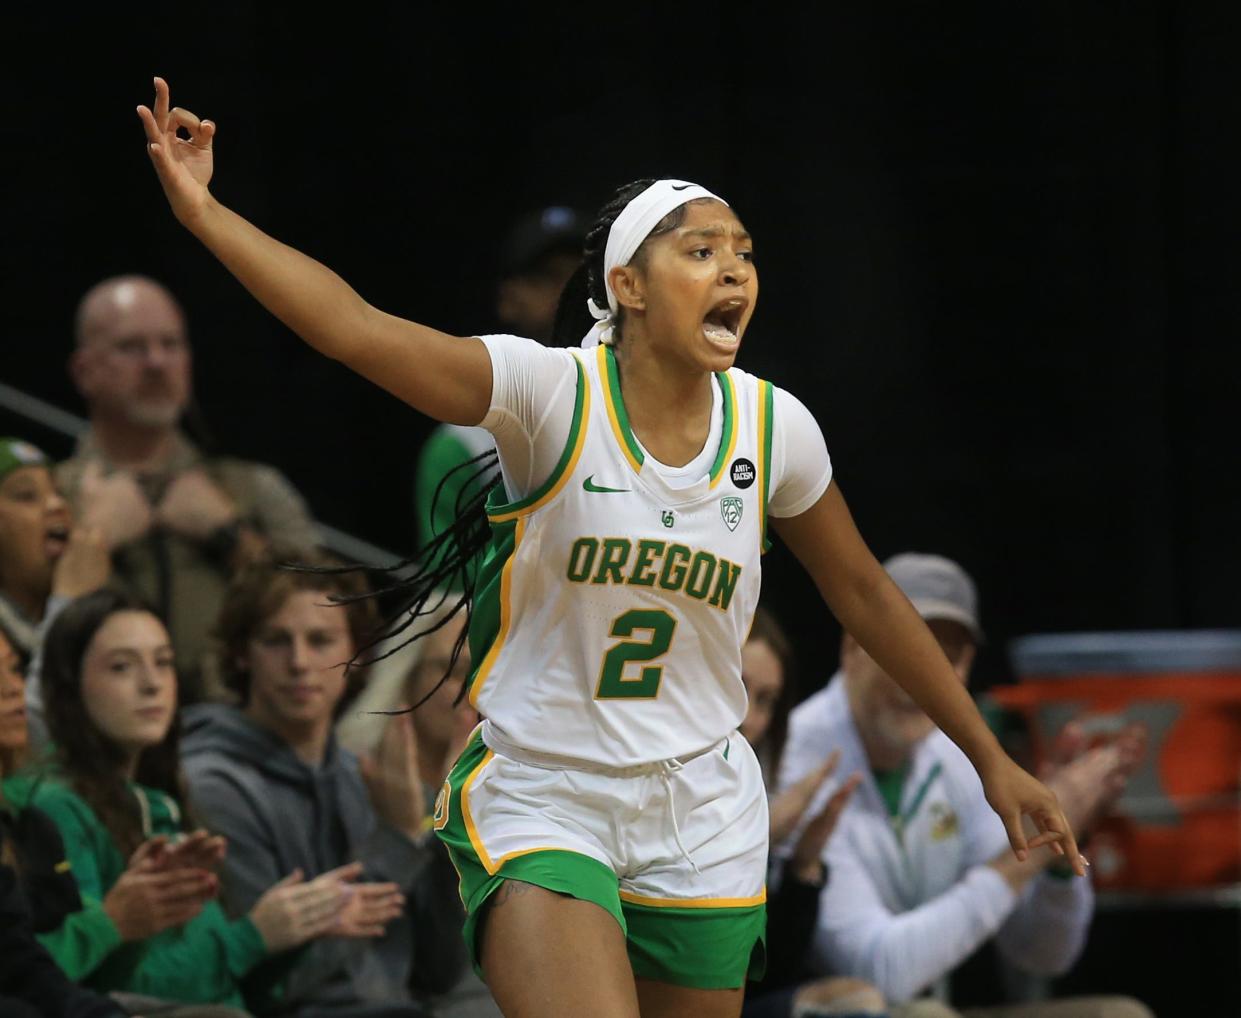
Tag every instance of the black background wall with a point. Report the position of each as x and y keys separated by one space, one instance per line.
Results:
x=998 y=248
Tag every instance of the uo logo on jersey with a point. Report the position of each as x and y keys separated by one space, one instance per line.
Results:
x=730 y=509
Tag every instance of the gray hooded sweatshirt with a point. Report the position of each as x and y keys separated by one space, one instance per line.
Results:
x=280 y=814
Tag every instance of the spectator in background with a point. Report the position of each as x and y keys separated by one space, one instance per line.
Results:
x=31 y=986
x=767 y=669
x=920 y=870
x=426 y=673
x=177 y=522
x=39 y=900
x=271 y=777
x=539 y=255
x=159 y=937
x=45 y=561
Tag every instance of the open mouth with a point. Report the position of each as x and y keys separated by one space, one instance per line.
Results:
x=722 y=323
x=55 y=540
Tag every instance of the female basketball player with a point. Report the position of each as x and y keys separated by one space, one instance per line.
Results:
x=608 y=823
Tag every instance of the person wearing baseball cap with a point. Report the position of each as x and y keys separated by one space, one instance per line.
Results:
x=45 y=561
x=919 y=871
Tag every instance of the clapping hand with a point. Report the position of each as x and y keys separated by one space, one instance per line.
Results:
x=194 y=506
x=151 y=896
x=392 y=777
x=1090 y=780
x=113 y=506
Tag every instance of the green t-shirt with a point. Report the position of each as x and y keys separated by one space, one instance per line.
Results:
x=200 y=962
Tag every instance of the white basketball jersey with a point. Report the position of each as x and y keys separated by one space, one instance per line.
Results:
x=610 y=609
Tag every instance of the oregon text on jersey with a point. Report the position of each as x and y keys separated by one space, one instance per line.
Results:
x=674 y=567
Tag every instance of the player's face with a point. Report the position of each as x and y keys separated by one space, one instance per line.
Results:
x=296 y=660
x=34 y=528
x=697 y=287
x=884 y=713
x=435 y=721
x=763 y=676
x=129 y=682
x=136 y=365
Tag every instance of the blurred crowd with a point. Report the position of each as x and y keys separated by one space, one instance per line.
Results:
x=215 y=803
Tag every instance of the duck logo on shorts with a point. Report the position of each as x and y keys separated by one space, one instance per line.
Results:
x=439 y=818
x=730 y=508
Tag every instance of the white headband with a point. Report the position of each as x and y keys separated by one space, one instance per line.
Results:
x=631 y=228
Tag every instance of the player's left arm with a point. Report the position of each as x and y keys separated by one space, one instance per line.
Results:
x=875 y=612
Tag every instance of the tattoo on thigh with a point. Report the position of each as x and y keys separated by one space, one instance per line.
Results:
x=510 y=889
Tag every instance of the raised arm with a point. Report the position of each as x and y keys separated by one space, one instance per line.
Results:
x=875 y=612
x=443 y=376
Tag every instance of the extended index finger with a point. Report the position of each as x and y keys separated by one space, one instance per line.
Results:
x=161 y=104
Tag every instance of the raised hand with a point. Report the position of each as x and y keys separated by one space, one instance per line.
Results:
x=194 y=506
x=807 y=861
x=183 y=165
x=85 y=564
x=1089 y=785
x=788 y=807
x=113 y=506
x=393 y=780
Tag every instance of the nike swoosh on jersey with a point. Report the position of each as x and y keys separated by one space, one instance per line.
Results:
x=589 y=485
x=681 y=187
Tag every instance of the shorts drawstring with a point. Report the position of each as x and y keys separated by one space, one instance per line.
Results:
x=666 y=770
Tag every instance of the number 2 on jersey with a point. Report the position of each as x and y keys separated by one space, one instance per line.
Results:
x=613 y=683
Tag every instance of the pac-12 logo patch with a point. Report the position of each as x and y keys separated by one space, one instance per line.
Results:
x=743 y=472
x=730 y=508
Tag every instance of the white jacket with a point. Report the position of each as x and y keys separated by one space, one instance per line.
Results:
x=906 y=903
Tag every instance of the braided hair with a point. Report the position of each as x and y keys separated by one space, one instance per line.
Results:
x=446 y=565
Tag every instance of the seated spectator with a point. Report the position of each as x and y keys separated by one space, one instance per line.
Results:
x=793 y=903
x=419 y=671
x=41 y=900
x=147 y=930
x=44 y=560
x=920 y=870
x=271 y=777
x=31 y=985
x=424 y=673
x=177 y=521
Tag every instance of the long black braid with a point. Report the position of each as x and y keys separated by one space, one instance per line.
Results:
x=421 y=585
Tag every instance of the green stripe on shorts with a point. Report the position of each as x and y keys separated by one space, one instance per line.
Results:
x=703 y=948
x=569 y=873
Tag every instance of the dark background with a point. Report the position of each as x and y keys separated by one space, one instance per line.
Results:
x=998 y=249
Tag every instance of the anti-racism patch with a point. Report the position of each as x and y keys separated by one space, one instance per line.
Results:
x=743 y=472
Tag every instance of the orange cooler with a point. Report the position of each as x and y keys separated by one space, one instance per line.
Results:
x=1178 y=825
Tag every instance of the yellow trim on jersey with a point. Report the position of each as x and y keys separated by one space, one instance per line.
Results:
x=609 y=401
x=731 y=428
x=581 y=422
x=468 y=816
x=765 y=412
x=637 y=899
x=506 y=612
